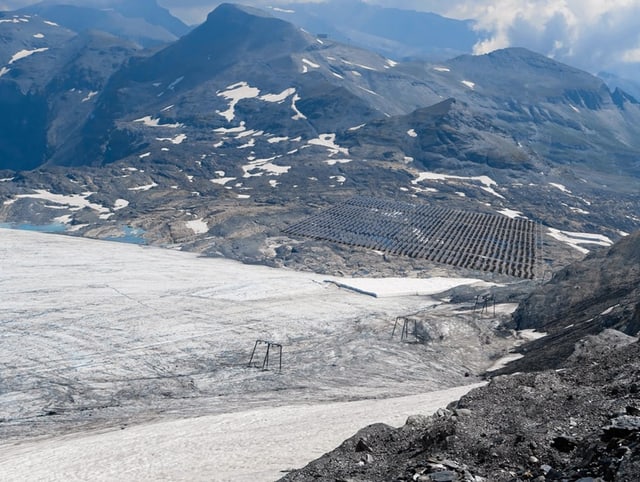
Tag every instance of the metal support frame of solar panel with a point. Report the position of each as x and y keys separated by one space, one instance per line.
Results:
x=472 y=240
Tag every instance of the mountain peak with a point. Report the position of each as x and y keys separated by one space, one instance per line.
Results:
x=233 y=32
x=248 y=21
x=236 y=9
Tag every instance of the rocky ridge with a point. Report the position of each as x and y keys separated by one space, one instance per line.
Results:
x=598 y=293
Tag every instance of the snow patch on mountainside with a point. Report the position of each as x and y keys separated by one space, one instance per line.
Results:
x=26 y=53
x=222 y=180
x=560 y=187
x=311 y=64
x=282 y=10
x=146 y=187
x=120 y=204
x=198 y=226
x=179 y=139
x=575 y=240
x=329 y=141
x=235 y=93
x=487 y=184
x=155 y=122
x=278 y=97
x=17 y=19
x=298 y=115
x=74 y=202
x=259 y=167
x=90 y=96
x=510 y=213
x=173 y=84
x=365 y=67
x=333 y=162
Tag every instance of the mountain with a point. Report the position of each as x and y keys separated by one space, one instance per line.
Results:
x=142 y=21
x=623 y=83
x=219 y=141
x=396 y=33
x=49 y=79
x=554 y=417
x=264 y=120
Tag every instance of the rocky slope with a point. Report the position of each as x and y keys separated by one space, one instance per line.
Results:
x=600 y=292
x=579 y=423
x=577 y=420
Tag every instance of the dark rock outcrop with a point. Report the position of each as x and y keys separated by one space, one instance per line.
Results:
x=585 y=298
x=605 y=280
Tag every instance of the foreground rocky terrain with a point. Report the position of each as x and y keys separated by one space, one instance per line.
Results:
x=577 y=423
x=573 y=414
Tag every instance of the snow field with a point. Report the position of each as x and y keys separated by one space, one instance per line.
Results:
x=244 y=446
x=99 y=335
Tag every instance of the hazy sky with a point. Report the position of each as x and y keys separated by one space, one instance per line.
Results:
x=591 y=34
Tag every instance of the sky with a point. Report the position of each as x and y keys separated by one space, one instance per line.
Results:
x=591 y=34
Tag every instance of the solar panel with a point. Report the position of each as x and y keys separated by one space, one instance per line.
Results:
x=472 y=240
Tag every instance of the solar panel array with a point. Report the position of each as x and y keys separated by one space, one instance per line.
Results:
x=472 y=240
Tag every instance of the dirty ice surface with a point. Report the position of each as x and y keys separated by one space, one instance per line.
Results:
x=106 y=345
x=254 y=445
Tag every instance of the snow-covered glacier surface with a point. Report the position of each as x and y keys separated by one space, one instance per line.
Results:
x=108 y=345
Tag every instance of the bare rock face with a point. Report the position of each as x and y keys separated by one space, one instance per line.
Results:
x=598 y=293
x=599 y=286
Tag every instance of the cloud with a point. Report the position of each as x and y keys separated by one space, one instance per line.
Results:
x=591 y=34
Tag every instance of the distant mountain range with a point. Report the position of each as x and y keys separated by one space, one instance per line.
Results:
x=142 y=21
x=249 y=112
x=392 y=32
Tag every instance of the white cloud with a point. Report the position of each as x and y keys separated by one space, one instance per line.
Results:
x=631 y=55
x=591 y=34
